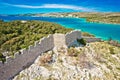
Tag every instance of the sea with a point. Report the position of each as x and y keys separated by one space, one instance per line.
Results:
x=100 y=30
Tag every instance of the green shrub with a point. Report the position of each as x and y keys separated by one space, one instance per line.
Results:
x=73 y=52
x=81 y=41
x=111 y=49
x=2 y=58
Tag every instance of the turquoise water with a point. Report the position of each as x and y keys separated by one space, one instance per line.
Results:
x=104 y=31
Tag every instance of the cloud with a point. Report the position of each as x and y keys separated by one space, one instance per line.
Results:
x=54 y=6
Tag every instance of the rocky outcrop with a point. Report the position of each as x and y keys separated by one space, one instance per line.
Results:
x=92 y=62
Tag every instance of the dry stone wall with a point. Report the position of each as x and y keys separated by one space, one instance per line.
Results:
x=59 y=40
x=72 y=36
x=24 y=58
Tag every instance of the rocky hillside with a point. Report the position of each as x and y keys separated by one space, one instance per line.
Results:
x=95 y=61
x=17 y=35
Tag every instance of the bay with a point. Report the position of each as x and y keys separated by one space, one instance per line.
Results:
x=101 y=30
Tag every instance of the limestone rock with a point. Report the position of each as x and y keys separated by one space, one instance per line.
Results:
x=92 y=63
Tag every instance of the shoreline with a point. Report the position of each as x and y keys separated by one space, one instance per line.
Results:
x=103 y=22
x=80 y=18
x=56 y=16
x=76 y=18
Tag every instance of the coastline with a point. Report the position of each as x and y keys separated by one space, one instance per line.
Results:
x=103 y=22
x=99 y=22
x=102 y=18
x=84 y=25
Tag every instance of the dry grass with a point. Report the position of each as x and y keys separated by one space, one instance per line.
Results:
x=73 y=52
x=45 y=59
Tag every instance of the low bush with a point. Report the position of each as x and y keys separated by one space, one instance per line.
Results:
x=2 y=58
x=45 y=59
x=81 y=41
x=111 y=49
x=73 y=52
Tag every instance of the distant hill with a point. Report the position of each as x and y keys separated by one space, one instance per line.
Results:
x=99 y=17
x=90 y=16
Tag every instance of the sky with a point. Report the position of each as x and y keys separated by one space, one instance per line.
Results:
x=45 y=6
